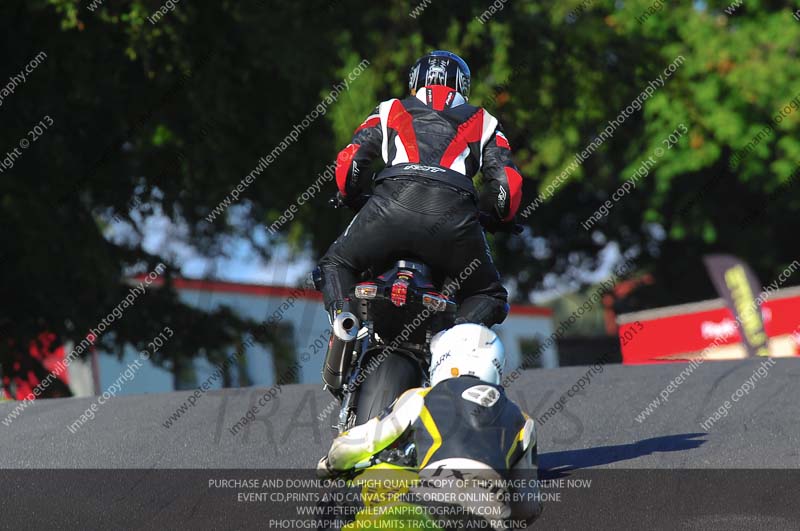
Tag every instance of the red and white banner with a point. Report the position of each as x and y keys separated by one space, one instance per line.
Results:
x=683 y=332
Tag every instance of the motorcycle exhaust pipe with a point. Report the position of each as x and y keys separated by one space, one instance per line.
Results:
x=340 y=350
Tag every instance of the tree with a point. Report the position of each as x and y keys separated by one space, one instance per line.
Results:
x=172 y=115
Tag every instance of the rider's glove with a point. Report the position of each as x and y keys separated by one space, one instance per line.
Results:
x=324 y=469
x=494 y=225
x=354 y=203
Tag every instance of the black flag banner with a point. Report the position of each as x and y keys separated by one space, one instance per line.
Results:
x=738 y=286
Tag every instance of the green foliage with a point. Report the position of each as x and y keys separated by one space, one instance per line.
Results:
x=178 y=112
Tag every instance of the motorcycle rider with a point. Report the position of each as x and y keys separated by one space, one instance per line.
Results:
x=424 y=204
x=473 y=448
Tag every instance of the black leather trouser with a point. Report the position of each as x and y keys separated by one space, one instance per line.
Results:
x=431 y=223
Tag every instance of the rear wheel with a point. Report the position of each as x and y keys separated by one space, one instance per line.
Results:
x=395 y=375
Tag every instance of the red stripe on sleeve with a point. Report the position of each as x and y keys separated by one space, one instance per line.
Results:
x=502 y=141
x=369 y=122
x=343 y=162
x=515 y=187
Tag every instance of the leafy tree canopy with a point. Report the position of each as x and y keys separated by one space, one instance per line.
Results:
x=171 y=115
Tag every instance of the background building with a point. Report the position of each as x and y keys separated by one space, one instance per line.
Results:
x=523 y=331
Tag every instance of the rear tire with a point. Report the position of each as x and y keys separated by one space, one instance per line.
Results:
x=395 y=375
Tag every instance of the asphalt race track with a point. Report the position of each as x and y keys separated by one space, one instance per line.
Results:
x=666 y=472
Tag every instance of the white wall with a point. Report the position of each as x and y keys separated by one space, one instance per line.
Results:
x=519 y=327
x=309 y=322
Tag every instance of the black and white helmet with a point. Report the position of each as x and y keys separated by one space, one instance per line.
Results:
x=440 y=68
x=467 y=350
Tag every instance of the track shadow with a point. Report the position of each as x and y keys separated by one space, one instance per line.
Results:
x=556 y=464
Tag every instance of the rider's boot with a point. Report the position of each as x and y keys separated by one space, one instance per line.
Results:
x=335 y=283
x=482 y=309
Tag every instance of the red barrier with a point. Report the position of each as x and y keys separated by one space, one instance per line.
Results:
x=681 y=333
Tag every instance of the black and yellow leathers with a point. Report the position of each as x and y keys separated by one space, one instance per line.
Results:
x=468 y=436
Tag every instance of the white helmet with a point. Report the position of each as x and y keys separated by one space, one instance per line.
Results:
x=467 y=349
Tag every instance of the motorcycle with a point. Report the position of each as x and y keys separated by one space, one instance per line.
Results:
x=376 y=355
x=383 y=349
